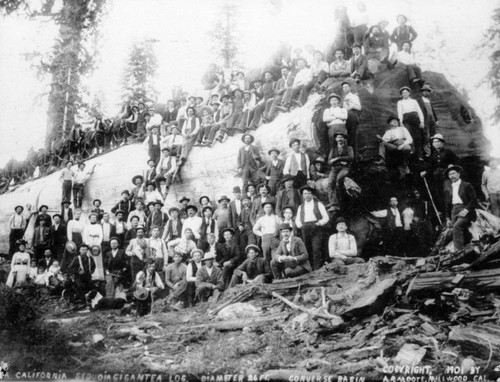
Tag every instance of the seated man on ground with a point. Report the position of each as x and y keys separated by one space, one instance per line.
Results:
x=175 y=280
x=254 y=270
x=209 y=281
x=191 y=272
x=147 y=283
x=291 y=258
x=342 y=246
x=228 y=255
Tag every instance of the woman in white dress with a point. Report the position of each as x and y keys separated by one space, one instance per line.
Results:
x=20 y=265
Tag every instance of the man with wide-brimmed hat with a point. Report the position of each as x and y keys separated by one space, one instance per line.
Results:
x=403 y=32
x=311 y=218
x=282 y=85
x=208 y=225
x=288 y=195
x=396 y=146
x=43 y=214
x=137 y=191
x=192 y=222
x=66 y=211
x=41 y=238
x=254 y=270
x=17 y=225
x=435 y=165
x=359 y=64
x=139 y=211
x=138 y=251
x=125 y=205
x=147 y=283
x=339 y=70
x=228 y=255
x=297 y=164
x=273 y=170
x=430 y=116
x=244 y=224
x=82 y=267
x=266 y=227
x=191 y=271
x=460 y=204
x=96 y=203
x=249 y=160
x=258 y=202
x=167 y=166
x=342 y=246
x=291 y=258
x=490 y=185
x=234 y=208
x=157 y=218
x=340 y=159
x=209 y=281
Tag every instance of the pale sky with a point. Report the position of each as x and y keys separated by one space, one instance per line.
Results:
x=183 y=49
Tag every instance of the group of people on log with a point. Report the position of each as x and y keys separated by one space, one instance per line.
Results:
x=274 y=226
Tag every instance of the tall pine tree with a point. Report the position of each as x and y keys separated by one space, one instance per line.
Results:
x=140 y=74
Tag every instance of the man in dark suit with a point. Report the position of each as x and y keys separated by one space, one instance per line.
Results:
x=234 y=208
x=58 y=237
x=41 y=239
x=359 y=64
x=42 y=214
x=82 y=267
x=228 y=255
x=273 y=170
x=115 y=262
x=430 y=117
x=291 y=258
x=264 y=197
x=253 y=270
x=157 y=217
x=288 y=196
x=248 y=160
x=108 y=231
x=393 y=229
x=461 y=202
x=125 y=205
x=281 y=86
x=66 y=211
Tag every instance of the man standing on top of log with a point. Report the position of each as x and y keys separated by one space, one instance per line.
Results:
x=460 y=205
x=430 y=117
x=249 y=160
x=335 y=117
x=339 y=70
x=411 y=115
x=359 y=64
x=291 y=258
x=311 y=218
x=352 y=104
x=403 y=32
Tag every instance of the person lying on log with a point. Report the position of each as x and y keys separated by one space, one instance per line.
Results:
x=209 y=281
x=291 y=258
x=342 y=246
x=254 y=270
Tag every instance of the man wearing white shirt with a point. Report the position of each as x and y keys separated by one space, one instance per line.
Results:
x=412 y=117
x=407 y=58
x=191 y=271
x=297 y=164
x=319 y=70
x=299 y=87
x=166 y=166
x=342 y=246
x=108 y=231
x=396 y=146
x=192 y=222
x=335 y=117
x=267 y=228
x=311 y=218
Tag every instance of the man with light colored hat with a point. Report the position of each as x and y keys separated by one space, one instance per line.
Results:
x=273 y=170
x=342 y=246
x=209 y=281
x=430 y=116
x=221 y=214
x=490 y=185
x=297 y=164
x=460 y=204
x=249 y=160
x=291 y=258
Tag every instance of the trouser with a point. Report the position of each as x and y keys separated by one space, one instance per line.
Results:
x=58 y=251
x=246 y=237
x=359 y=33
x=178 y=293
x=203 y=134
x=394 y=157
x=495 y=203
x=269 y=244
x=274 y=102
x=281 y=271
x=348 y=261
x=337 y=174
x=212 y=132
x=78 y=194
x=169 y=177
x=227 y=274
x=155 y=154
x=394 y=241
x=257 y=115
x=351 y=125
x=249 y=173
x=83 y=285
x=460 y=224
x=66 y=190
x=299 y=180
x=273 y=185
x=292 y=93
x=15 y=235
x=316 y=81
x=237 y=279
x=205 y=290
x=245 y=120
x=229 y=127
x=190 y=293
x=322 y=134
x=429 y=131
x=105 y=248
x=312 y=235
x=335 y=129
x=67 y=259
x=136 y=265
x=412 y=122
x=414 y=72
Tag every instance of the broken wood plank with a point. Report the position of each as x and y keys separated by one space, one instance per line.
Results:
x=482 y=341
x=372 y=300
x=484 y=280
x=240 y=323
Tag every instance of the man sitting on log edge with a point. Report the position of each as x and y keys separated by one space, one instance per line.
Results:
x=291 y=258
x=209 y=281
x=254 y=270
x=342 y=246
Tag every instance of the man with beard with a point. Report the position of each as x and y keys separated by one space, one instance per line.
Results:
x=228 y=255
x=297 y=165
x=248 y=160
x=291 y=258
x=137 y=250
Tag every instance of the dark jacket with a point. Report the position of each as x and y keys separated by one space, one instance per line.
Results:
x=58 y=237
x=421 y=103
x=41 y=239
x=254 y=268
x=297 y=249
x=251 y=161
x=69 y=217
x=215 y=279
x=468 y=196
x=117 y=263
x=233 y=215
x=225 y=253
x=283 y=200
x=360 y=66
x=75 y=266
x=257 y=210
